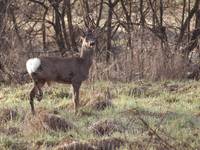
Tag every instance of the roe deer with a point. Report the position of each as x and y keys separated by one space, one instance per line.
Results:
x=70 y=70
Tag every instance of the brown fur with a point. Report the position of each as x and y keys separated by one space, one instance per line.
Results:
x=70 y=70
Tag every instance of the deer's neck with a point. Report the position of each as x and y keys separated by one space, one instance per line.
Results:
x=87 y=56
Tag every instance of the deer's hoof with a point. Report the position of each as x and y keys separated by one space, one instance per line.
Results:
x=76 y=112
x=33 y=112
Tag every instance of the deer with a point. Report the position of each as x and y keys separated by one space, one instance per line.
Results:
x=67 y=70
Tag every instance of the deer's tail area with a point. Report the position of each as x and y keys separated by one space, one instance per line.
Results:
x=32 y=65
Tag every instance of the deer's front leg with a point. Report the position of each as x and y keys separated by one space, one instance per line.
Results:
x=76 y=87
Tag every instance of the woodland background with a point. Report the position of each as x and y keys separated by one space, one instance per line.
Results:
x=137 y=39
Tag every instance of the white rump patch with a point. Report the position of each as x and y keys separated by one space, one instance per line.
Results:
x=32 y=65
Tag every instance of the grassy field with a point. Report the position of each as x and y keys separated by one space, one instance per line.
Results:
x=138 y=115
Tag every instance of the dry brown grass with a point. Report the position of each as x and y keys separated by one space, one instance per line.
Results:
x=7 y=115
x=45 y=120
x=100 y=104
x=75 y=146
x=106 y=127
x=93 y=144
x=108 y=143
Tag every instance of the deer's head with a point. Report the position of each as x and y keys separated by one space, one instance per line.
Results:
x=89 y=39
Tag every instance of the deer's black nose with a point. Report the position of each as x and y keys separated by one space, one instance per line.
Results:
x=92 y=43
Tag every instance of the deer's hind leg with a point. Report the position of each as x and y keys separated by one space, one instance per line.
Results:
x=36 y=92
x=32 y=96
x=39 y=86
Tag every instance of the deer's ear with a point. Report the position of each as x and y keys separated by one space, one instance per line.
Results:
x=81 y=38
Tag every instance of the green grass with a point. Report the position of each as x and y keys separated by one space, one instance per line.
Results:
x=174 y=115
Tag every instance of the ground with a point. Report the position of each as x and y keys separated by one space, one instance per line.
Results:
x=137 y=115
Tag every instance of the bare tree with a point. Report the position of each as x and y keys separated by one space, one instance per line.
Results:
x=186 y=23
x=70 y=25
x=111 y=6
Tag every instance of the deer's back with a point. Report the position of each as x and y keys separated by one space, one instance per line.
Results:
x=58 y=69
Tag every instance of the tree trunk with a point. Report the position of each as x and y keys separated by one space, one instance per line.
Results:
x=142 y=18
x=193 y=43
x=86 y=11
x=3 y=7
x=57 y=26
x=70 y=26
x=186 y=23
x=128 y=22
x=67 y=42
x=100 y=13
x=111 y=6
x=109 y=30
